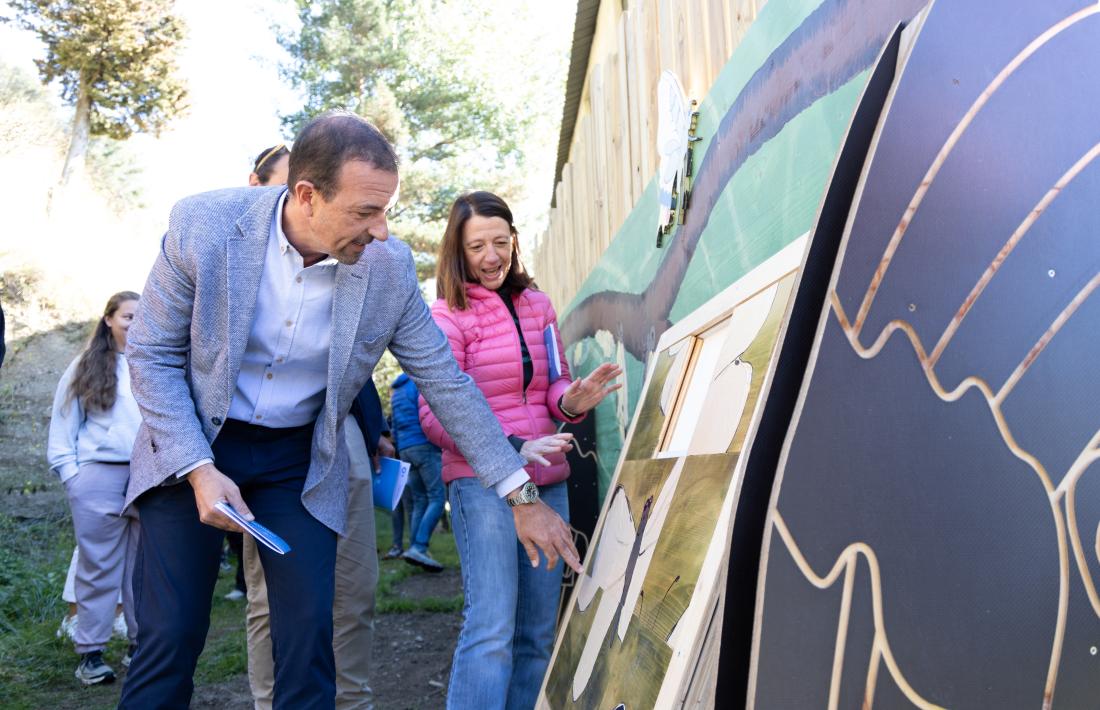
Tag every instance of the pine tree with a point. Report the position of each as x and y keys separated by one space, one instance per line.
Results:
x=115 y=63
x=407 y=66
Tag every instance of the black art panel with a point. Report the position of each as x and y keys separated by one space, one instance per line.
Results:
x=933 y=540
x=794 y=352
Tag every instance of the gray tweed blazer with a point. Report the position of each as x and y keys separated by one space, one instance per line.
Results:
x=185 y=346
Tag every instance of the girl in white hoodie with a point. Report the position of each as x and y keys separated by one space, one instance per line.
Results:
x=92 y=430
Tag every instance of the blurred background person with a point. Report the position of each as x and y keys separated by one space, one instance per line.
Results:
x=397 y=522
x=92 y=429
x=271 y=167
x=425 y=486
x=496 y=322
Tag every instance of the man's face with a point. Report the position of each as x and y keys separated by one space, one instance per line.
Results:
x=343 y=226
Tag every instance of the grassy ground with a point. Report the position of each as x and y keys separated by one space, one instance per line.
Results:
x=36 y=668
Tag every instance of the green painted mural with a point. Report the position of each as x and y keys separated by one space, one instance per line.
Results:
x=770 y=129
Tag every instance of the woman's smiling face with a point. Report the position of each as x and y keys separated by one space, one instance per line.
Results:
x=487 y=246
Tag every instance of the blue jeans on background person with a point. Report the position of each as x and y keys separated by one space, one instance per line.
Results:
x=397 y=519
x=510 y=608
x=427 y=491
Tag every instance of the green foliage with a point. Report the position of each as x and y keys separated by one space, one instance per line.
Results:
x=415 y=68
x=33 y=561
x=118 y=55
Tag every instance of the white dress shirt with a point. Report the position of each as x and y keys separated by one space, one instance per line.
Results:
x=284 y=369
x=78 y=437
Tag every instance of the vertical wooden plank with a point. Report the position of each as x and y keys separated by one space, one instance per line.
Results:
x=608 y=146
x=624 y=157
x=698 y=43
x=551 y=280
x=595 y=196
x=744 y=12
x=719 y=49
x=639 y=97
x=611 y=77
x=686 y=50
x=579 y=210
x=601 y=139
x=566 y=200
x=539 y=258
x=585 y=190
x=728 y=20
x=666 y=34
x=632 y=124
x=650 y=31
x=576 y=195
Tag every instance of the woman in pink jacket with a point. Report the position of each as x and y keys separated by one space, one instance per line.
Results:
x=498 y=325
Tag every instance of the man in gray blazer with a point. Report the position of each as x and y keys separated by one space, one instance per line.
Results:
x=264 y=315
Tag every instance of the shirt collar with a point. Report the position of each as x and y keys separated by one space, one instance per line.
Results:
x=280 y=235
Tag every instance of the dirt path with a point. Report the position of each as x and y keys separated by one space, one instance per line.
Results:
x=410 y=659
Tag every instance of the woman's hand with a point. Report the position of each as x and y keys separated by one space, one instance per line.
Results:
x=587 y=392
x=536 y=449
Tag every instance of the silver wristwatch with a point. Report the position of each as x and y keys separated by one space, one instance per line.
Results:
x=527 y=494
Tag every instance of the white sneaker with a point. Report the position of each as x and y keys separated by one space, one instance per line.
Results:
x=67 y=627
x=118 y=629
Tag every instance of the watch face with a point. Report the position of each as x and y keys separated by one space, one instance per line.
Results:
x=528 y=493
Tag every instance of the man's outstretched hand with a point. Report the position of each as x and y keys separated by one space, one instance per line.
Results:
x=538 y=527
x=210 y=486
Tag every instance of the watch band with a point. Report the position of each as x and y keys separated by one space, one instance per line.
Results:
x=528 y=493
x=566 y=412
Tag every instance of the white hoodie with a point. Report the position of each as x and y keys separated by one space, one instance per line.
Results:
x=78 y=437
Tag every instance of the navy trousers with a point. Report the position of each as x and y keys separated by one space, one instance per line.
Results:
x=178 y=563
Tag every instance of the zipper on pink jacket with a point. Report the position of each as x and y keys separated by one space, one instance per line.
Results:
x=526 y=407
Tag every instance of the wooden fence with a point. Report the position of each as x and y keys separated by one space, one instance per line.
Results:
x=613 y=154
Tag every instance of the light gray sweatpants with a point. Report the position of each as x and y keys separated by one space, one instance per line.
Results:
x=108 y=542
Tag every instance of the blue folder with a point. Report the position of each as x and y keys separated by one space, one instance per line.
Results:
x=553 y=355
x=389 y=482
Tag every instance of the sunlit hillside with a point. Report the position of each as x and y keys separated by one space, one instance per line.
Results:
x=61 y=264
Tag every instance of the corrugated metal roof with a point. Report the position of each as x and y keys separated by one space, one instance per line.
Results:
x=583 y=30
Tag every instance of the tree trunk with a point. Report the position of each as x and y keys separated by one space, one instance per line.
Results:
x=78 y=141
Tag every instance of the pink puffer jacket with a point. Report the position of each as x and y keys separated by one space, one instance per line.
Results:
x=486 y=345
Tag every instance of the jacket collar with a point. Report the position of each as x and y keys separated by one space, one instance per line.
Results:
x=245 y=254
x=477 y=292
x=348 y=298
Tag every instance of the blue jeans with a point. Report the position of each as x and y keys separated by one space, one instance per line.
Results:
x=428 y=494
x=510 y=608
x=397 y=519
